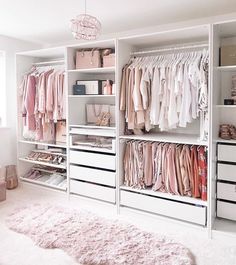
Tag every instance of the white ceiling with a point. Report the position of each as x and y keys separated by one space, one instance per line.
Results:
x=47 y=21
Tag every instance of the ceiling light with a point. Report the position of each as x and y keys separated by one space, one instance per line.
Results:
x=85 y=27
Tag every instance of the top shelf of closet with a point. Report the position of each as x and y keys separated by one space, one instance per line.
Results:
x=167 y=137
x=228 y=68
x=101 y=70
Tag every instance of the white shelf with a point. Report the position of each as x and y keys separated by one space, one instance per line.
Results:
x=101 y=70
x=87 y=126
x=59 y=61
x=167 y=137
x=167 y=196
x=92 y=96
x=227 y=68
x=219 y=140
x=225 y=106
x=59 y=145
x=42 y=184
x=42 y=163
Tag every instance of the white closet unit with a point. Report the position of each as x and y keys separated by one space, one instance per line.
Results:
x=92 y=170
x=179 y=207
x=25 y=61
x=223 y=183
x=98 y=173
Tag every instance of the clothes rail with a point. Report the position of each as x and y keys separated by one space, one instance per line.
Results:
x=202 y=45
x=59 y=61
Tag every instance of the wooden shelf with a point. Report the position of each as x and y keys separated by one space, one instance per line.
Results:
x=41 y=183
x=91 y=96
x=167 y=196
x=59 y=145
x=87 y=126
x=167 y=137
x=101 y=70
x=229 y=68
x=41 y=163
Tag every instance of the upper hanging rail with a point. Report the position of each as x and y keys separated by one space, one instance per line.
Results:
x=193 y=46
x=58 y=61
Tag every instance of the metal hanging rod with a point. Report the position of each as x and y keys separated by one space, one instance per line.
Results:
x=202 y=45
x=58 y=61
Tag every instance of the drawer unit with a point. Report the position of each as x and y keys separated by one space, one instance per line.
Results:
x=227 y=153
x=226 y=191
x=93 y=159
x=93 y=175
x=226 y=172
x=226 y=210
x=93 y=191
x=186 y=212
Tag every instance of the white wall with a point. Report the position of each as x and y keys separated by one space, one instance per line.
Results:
x=8 y=135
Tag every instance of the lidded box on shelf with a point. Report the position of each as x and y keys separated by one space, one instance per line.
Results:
x=109 y=60
x=228 y=55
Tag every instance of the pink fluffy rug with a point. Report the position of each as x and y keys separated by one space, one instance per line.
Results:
x=93 y=240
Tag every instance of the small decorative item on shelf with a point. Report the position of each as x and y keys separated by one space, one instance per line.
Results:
x=107 y=88
x=227 y=132
x=86 y=59
x=228 y=101
x=11 y=177
x=92 y=87
x=78 y=89
x=228 y=55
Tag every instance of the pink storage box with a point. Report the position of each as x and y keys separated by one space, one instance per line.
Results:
x=2 y=191
x=109 y=60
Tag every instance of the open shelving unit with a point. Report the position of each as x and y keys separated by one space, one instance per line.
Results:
x=24 y=62
x=97 y=173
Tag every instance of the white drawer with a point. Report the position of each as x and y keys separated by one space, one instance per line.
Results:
x=93 y=175
x=226 y=172
x=226 y=210
x=186 y=212
x=227 y=153
x=93 y=159
x=93 y=191
x=226 y=191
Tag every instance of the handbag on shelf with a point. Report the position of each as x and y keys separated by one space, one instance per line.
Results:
x=61 y=131
x=86 y=59
x=95 y=111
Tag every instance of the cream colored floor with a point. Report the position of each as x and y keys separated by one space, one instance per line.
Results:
x=17 y=249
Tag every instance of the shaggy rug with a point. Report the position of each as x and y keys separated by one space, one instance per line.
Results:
x=93 y=240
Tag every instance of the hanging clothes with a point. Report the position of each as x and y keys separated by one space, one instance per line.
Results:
x=43 y=97
x=165 y=91
x=172 y=168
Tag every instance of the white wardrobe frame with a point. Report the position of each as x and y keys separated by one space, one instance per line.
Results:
x=203 y=33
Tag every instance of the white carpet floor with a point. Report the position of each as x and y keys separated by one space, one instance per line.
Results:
x=17 y=249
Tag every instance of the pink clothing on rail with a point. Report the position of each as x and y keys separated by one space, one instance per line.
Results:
x=29 y=102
